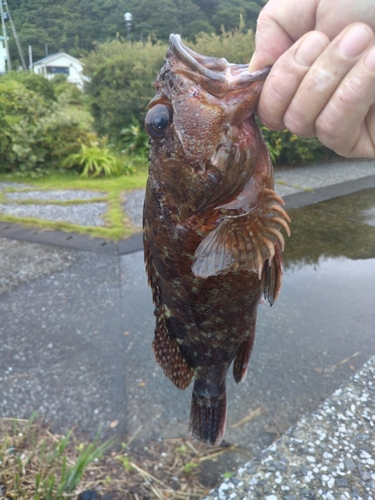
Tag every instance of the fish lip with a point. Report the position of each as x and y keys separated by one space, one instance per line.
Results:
x=219 y=76
x=191 y=59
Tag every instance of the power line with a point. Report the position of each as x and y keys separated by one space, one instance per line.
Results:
x=14 y=34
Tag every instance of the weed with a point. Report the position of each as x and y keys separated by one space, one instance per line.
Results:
x=96 y=161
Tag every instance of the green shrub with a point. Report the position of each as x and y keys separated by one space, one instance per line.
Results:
x=96 y=161
x=120 y=86
x=36 y=132
x=134 y=139
x=237 y=46
x=33 y=82
x=287 y=148
x=21 y=111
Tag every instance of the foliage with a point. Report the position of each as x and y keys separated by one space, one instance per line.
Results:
x=21 y=112
x=37 y=129
x=134 y=139
x=121 y=75
x=74 y=27
x=33 y=82
x=42 y=471
x=287 y=148
x=96 y=160
x=237 y=45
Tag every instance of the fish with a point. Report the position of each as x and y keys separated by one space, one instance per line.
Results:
x=212 y=226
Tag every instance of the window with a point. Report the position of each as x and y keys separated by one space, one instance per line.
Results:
x=54 y=70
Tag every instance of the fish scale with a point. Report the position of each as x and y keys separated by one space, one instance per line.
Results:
x=211 y=224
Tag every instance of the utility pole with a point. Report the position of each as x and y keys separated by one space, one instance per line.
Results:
x=2 y=13
x=30 y=58
x=15 y=37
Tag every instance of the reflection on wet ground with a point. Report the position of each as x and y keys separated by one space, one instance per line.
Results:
x=336 y=228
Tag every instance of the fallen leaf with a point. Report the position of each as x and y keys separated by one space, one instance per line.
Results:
x=126 y=333
x=318 y=370
x=113 y=424
x=142 y=384
x=352 y=367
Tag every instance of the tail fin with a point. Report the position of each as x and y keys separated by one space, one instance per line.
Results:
x=208 y=418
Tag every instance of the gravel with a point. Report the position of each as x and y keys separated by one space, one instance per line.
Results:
x=85 y=214
x=133 y=206
x=329 y=454
x=57 y=195
x=14 y=185
x=21 y=262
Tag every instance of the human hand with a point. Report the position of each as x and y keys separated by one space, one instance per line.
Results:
x=323 y=78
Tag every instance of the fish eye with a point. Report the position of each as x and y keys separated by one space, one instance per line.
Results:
x=158 y=120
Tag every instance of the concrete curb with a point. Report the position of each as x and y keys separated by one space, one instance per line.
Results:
x=134 y=243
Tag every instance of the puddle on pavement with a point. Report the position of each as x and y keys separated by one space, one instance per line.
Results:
x=336 y=228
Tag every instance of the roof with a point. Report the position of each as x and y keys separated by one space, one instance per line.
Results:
x=51 y=57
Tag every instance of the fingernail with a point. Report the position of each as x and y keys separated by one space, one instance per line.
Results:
x=251 y=63
x=370 y=60
x=355 y=41
x=310 y=49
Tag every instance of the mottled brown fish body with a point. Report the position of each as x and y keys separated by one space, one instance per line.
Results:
x=211 y=226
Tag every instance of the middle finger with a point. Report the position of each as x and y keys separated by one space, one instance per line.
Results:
x=324 y=76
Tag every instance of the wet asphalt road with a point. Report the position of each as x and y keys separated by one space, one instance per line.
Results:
x=75 y=342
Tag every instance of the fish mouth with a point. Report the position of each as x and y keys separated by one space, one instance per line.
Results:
x=216 y=75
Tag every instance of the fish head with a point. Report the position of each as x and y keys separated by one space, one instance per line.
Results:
x=203 y=141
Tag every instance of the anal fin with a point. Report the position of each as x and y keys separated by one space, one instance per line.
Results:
x=243 y=242
x=168 y=355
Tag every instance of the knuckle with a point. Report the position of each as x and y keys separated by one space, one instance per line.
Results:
x=296 y=124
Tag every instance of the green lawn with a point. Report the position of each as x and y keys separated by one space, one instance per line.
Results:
x=117 y=225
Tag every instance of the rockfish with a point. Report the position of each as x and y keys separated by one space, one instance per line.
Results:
x=212 y=224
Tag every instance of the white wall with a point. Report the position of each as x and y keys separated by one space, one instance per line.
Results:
x=3 y=57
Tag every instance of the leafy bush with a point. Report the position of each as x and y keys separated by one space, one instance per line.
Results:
x=96 y=161
x=237 y=46
x=134 y=139
x=36 y=131
x=287 y=148
x=33 y=82
x=120 y=86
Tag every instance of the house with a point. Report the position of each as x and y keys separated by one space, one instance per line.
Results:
x=3 y=56
x=61 y=63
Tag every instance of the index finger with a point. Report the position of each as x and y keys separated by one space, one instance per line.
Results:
x=279 y=25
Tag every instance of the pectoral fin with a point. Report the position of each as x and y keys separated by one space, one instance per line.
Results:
x=243 y=242
x=272 y=275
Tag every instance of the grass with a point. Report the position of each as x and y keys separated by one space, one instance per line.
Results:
x=38 y=465
x=117 y=226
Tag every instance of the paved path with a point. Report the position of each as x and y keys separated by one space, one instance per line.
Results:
x=77 y=327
